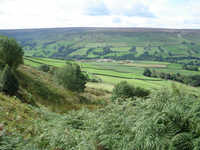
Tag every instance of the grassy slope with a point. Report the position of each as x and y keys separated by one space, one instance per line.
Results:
x=16 y=116
x=38 y=92
x=41 y=88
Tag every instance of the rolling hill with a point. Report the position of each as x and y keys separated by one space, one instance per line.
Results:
x=115 y=43
x=45 y=116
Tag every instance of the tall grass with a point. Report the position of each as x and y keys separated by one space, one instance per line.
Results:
x=168 y=120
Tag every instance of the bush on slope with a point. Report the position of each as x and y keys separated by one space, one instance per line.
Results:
x=39 y=88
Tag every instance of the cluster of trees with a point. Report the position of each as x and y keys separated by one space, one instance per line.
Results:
x=89 y=51
x=167 y=76
x=44 y=68
x=106 y=50
x=124 y=90
x=190 y=67
x=193 y=63
x=92 y=78
x=71 y=77
x=11 y=56
x=133 y=49
x=64 y=51
x=29 y=45
x=193 y=80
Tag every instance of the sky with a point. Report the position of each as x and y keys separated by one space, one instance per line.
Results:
x=20 y=14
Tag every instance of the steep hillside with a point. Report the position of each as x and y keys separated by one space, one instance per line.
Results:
x=38 y=99
x=39 y=89
x=116 y=43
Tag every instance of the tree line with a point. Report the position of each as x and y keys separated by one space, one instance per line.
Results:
x=190 y=67
x=193 y=80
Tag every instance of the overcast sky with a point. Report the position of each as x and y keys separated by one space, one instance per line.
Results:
x=99 y=13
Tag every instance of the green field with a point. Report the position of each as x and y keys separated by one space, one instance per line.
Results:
x=112 y=73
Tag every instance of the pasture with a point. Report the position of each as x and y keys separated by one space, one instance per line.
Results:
x=113 y=72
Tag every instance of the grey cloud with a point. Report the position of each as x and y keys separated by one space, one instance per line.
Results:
x=139 y=10
x=98 y=9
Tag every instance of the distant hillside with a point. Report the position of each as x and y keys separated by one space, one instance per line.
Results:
x=115 y=43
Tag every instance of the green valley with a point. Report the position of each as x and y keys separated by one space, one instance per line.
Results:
x=99 y=89
x=172 y=45
x=113 y=72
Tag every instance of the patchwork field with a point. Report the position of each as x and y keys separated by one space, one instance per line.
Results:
x=113 y=72
x=170 y=45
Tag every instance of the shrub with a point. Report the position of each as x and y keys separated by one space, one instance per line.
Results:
x=52 y=70
x=147 y=72
x=125 y=90
x=193 y=80
x=71 y=77
x=140 y=92
x=92 y=78
x=11 y=53
x=190 y=67
x=8 y=82
x=44 y=68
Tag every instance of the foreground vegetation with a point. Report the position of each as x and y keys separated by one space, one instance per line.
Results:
x=166 y=120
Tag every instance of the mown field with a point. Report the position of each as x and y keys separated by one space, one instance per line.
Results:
x=112 y=73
